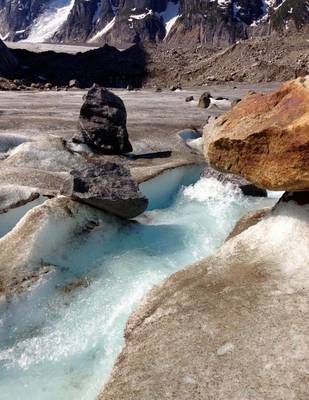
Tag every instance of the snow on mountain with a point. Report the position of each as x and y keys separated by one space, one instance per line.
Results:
x=47 y=24
x=103 y=31
x=170 y=16
x=216 y=22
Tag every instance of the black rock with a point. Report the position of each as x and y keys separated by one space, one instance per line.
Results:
x=301 y=198
x=109 y=187
x=247 y=188
x=189 y=98
x=204 y=101
x=102 y=122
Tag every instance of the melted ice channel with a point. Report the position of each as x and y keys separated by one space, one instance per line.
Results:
x=61 y=344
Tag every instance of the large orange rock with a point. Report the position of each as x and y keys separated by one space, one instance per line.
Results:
x=265 y=138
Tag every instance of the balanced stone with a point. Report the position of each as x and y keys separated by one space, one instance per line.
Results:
x=102 y=122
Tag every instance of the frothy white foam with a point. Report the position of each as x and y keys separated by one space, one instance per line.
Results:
x=208 y=189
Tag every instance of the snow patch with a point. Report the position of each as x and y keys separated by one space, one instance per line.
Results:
x=102 y=32
x=5 y=37
x=170 y=16
x=141 y=16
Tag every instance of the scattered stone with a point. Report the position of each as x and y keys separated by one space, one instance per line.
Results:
x=74 y=83
x=6 y=84
x=35 y=85
x=130 y=88
x=102 y=122
x=109 y=186
x=48 y=86
x=189 y=99
x=173 y=88
x=204 y=101
x=265 y=138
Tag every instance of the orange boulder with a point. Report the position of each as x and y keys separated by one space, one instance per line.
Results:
x=265 y=138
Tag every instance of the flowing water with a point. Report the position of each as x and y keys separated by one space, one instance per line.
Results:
x=60 y=342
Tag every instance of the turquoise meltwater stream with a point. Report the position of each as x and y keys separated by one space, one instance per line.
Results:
x=58 y=344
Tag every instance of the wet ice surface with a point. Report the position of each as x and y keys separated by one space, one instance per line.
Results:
x=9 y=219
x=57 y=344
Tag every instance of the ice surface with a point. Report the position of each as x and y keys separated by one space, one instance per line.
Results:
x=9 y=219
x=61 y=344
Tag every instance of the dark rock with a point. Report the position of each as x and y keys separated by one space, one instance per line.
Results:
x=204 y=101
x=221 y=98
x=130 y=88
x=301 y=198
x=109 y=187
x=173 y=88
x=189 y=98
x=247 y=188
x=102 y=122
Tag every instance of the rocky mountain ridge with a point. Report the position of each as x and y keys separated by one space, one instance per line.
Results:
x=123 y=22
